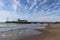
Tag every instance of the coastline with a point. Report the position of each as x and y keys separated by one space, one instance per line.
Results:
x=18 y=34
x=21 y=34
x=50 y=33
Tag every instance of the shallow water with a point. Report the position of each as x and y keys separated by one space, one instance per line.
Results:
x=10 y=26
x=13 y=31
x=18 y=34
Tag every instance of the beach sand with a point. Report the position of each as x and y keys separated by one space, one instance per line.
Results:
x=50 y=33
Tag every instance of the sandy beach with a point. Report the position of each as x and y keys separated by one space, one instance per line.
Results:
x=50 y=33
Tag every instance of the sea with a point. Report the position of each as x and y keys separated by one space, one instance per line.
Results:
x=14 y=31
x=12 y=26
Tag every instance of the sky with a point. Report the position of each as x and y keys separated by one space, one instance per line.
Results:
x=31 y=10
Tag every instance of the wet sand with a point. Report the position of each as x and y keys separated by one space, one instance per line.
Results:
x=50 y=33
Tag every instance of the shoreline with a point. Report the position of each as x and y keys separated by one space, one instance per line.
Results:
x=21 y=33
x=18 y=34
x=50 y=33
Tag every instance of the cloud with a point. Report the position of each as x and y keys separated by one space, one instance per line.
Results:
x=1 y=4
x=28 y=1
x=5 y=14
x=40 y=12
x=15 y=4
x=33 y=4
x=50 y=18
x=40 y=17
x=43 y=2
x=48 y=15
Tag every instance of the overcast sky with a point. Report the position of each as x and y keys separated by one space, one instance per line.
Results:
x=32 y=10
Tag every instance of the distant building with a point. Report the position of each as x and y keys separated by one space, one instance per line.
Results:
x=22 y=20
